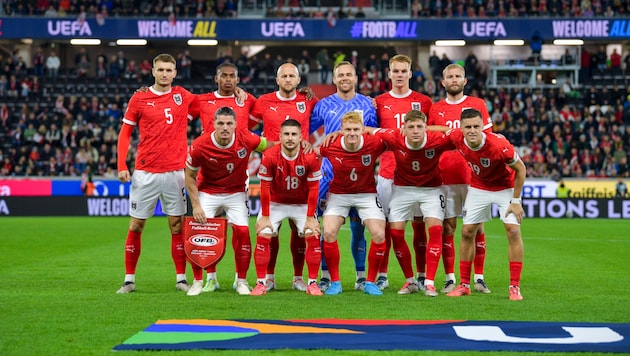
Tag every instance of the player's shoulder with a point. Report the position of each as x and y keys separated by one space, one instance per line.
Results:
x=206 y=96
x=177 y=89
x=419 y=96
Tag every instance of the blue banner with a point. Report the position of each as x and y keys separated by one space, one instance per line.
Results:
x=103 y=188
x=315 y=30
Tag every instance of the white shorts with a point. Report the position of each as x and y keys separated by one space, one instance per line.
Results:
x=367 y=205
x=279 y=212
x=147 y=188
x=234 y=205
x=455 y=198
x=478 y=206
x=384 y=189
x=406 y=200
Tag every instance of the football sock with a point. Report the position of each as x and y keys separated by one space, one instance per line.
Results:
x=325 y=273
x=358 y=244
x=515 y=273
x=182 y=276
x=448 y=254
x=133 y=245
x=434 y=251
x=313 y=256
x=401 y=250
x=420 y=244
x=331 y=250
x=211 y=275
x=480 y=252
x=274 y=245
x=388 y=247
x=197 y=272
x=178 y=254
x=243 y=255
x=464 y=271
x=298 y=249
x=375 y=258
x=261 y=256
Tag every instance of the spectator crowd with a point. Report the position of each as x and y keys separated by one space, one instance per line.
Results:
x=559 y=131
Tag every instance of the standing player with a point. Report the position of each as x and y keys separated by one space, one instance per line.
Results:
x=417 y=184
x=271 y=110
x=353 y=158
x=328 y=113
x=456 y=173
x=161 y=115
x=489 y=155
x=289 y=189
x=391 y=110
x=227 y=80
x=219 y=158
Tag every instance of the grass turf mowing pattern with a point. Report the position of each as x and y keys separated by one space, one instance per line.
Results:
x=61 y=275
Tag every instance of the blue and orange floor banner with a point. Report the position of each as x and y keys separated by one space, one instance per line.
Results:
x=338 y=334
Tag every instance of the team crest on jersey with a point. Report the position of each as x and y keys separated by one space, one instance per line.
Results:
x=178 y=99
x=429 y=154
x=301 y=107
x=240 y=103
x=242 y=153
x=262 y=169
x=300 y=170
x=415 y=106
x=366 y=160
x=485 y=162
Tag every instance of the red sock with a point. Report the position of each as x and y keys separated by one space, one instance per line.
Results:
x=211 y=268
x=261 y=256
x=274 y=245
x=448 y=253
x=243 y=255
x=178 y=253
x=375 y=258
x=388 y=247
x=464 y=271
x=515 y=273
x=401 y=250
x=197 y=272
x=313 y=256
x=480 y=252
x=298 y=248
x=420 y=244
x=434 y=251
x=133 y=245
x=331 y=250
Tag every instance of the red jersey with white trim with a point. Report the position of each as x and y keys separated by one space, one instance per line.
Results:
x=391 y=111
x=271 y=109
x=453 y=168
x=489 y=162
x=222 y=169
x=209 y=103
x=162 y=120
x=353 y=171
x=416 y=167
x=289 y=176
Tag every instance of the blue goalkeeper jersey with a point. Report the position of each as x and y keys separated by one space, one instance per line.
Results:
x=329 y=110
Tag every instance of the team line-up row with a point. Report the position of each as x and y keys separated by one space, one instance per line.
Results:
x=455 y=166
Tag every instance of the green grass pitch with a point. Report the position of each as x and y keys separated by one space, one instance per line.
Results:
x=60 y=275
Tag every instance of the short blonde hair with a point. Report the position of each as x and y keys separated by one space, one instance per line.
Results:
x=352 y=117
x=453 y=66
x=415 y=115
x=400 y=58
x=164 y=57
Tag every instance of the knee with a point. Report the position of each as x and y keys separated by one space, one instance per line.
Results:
x=378 y=237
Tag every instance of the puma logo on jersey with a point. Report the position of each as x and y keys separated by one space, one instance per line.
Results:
x=213 y=102
x=274 y=108
x=505 y=150
x=441 y=113
x=281 y=169
x=339 y=159
x=388 y=107
x=403 y=153
x=151 y=103
x=213 y=159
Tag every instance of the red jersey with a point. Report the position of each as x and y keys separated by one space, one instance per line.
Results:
x=162 y=120
x=453 y=167
x=391 y=111
x=271 y=109
x=353 y=171
x=222 y=169
x=488 y=162
x=209 y=103
x=416 y=167
x=289 y=176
